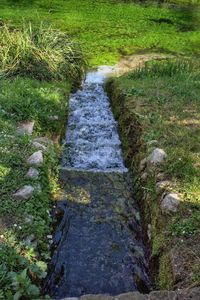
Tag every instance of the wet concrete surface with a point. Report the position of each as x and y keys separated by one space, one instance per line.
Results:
x=98 y=244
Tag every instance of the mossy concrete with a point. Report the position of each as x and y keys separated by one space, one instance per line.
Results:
x=187 y=294
x=98 y=245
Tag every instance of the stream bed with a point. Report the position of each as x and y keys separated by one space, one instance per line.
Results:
x=97 y=245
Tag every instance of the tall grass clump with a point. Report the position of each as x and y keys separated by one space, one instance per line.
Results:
x=165 y=67
x=41 y=53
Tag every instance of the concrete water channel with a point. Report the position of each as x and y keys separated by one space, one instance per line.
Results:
x=98 y=246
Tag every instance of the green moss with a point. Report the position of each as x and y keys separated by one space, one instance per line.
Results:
x=165 y=279
x=158 y=244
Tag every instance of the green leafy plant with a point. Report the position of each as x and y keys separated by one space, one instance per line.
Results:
x=21 y=283
x=39 y=269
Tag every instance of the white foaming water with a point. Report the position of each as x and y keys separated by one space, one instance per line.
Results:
x=92 y=141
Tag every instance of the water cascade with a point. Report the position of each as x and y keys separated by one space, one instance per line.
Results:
x=92 y=139
x=97 y=244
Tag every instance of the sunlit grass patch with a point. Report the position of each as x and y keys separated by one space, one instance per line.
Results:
x=28 y=99
x=169 y=110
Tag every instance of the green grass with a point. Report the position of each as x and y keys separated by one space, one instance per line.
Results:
x=40 y=53
x=170 y=92
x=28 y=57
x=162 y=102
x=26 y=99
x=108 y=30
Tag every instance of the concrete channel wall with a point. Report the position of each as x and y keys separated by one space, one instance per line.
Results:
x=186 y=294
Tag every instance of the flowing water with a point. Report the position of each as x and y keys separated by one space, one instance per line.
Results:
x=92 y=139
x=97 y=244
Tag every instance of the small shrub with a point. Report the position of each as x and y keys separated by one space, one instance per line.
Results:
x=43 y=54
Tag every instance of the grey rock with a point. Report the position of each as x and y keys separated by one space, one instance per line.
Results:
x=162 y=185
x=71 y=298
x=26 y=127
x=157 y=156
x=131 y=296
x=36 y=158
x=163 y=295
x=96 y=297
x=32 y=173
x=186 y=294
x=24 y=193
x=39 y=146
x=170 y=203
x=43 y=140
x=189 y=294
